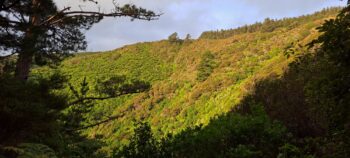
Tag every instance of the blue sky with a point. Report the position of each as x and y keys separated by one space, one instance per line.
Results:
x=189 y=16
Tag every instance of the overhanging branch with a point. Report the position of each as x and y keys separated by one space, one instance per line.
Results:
x=115 y=14
x=96 y=124
x=91 y=98
x=134 y=13
x=51 y=18
x=81 y=100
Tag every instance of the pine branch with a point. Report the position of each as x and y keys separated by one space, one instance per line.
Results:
x=142 y=16
x=91 y=98
x=130 y=11
x=96 y=124
x=81 y=100
x=3 y=7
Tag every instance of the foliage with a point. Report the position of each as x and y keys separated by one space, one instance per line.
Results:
x=142 y=144
x=233 y=135
x=310 y=102
x=113 y=87
x=268 y=25
x=48 y=119
x=206 y=66
x=174 y=38
x=312 y=97
x=176 y=100
x=25 y=118
x=35 y=150
x=253 y=101
x=252 y=135
x=20 y=111
x=329 y=91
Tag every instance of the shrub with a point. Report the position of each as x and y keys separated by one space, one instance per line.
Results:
x=206 y=66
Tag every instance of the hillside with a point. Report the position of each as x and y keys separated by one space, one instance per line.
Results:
x=194 y=83
x=178 y=99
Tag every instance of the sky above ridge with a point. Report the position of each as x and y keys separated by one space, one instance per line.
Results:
x=187 y=17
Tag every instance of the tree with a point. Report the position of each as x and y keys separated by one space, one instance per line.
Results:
x=5 y=6
x=142 y=144
x=206 y=66
x=188 y=37
x=330 y=92
x=31 y=113
x=173 y=37
x=37 y=29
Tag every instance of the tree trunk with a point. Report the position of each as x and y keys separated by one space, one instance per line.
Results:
x=27 y=51
x=23 y=64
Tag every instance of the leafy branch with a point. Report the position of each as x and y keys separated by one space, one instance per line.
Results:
x=110 y=88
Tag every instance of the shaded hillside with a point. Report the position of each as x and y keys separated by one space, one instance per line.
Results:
x=186 y=90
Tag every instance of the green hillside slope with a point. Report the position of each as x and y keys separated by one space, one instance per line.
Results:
x=192 y=81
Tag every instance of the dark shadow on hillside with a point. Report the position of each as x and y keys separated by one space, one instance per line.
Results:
x=267 y=123
x=279 y=119
x=250 y=130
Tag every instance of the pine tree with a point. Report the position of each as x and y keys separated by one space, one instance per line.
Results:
x=188 y=37
x=173 y=37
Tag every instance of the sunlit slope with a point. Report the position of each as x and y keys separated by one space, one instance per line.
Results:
x=177 y=98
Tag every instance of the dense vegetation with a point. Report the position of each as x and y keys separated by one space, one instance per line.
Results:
x=264 y=90
x=268 y=25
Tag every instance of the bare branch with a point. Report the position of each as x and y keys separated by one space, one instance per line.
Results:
x=48 y=20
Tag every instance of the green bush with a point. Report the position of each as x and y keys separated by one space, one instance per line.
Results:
x=206 y=66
